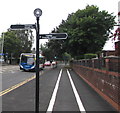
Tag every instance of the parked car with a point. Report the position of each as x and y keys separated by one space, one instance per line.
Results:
x=47 y=63
x=54 y=64
x=1 y=60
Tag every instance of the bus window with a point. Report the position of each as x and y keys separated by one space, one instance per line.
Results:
x=30 y=61
x=23 y=59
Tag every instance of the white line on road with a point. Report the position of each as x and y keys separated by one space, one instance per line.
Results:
x=52 y=101
x=79 y=102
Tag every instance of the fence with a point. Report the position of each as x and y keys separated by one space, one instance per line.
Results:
x=108 y=63
x=102 y=76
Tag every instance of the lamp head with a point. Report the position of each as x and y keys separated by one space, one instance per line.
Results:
x=37 y=12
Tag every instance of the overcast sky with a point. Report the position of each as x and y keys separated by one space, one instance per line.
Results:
x=21 y=11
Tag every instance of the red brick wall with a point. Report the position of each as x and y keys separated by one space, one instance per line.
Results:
x=117 y=48
x=113 y=64
x=104 y=82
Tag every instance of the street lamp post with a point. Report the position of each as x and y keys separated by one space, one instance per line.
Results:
x=2 y=43
x=37 y=13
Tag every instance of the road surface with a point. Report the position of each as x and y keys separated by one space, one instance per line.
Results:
x=61 y=89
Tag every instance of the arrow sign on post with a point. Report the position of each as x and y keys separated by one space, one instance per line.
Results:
x=22 y=26
x=53 y=36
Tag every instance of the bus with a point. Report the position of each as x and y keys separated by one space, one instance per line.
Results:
x=28 y=62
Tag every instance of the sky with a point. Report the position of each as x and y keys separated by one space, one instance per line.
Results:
x=53 y=12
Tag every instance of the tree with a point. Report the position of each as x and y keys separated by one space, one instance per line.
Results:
x=51 y=50
x=87 y=29
x=66 y=57
x=46 y=52
x=16 y=42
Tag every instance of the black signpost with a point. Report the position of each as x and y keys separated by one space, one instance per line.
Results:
x=53 y=36
x=38 y=13
x=23 y=26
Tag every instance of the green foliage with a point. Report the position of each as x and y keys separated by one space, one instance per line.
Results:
x=87 y=29
x=46 y=52
x=66 y=56
x=17 y=42
x=79 y=57
x=55 y=48
x=90 y=56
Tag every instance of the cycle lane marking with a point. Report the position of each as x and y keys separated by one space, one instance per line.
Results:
x=53 y=98
x=79 y=102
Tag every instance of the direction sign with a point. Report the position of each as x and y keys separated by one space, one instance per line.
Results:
x=53 y=36
x=23 y=26
x=2 y=54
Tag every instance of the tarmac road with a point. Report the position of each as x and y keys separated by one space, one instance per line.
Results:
x=60 y=90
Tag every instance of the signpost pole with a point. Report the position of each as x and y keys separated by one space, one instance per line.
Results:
x=37 y=67
x=37 y=13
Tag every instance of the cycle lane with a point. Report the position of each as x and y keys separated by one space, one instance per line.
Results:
x=90 y=99
x=65 y=99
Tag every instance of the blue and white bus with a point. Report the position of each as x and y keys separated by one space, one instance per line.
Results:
x=28 y=62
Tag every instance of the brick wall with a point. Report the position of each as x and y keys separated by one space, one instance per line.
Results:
x=117 y=48
x=113 y=64
x=104 y=82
